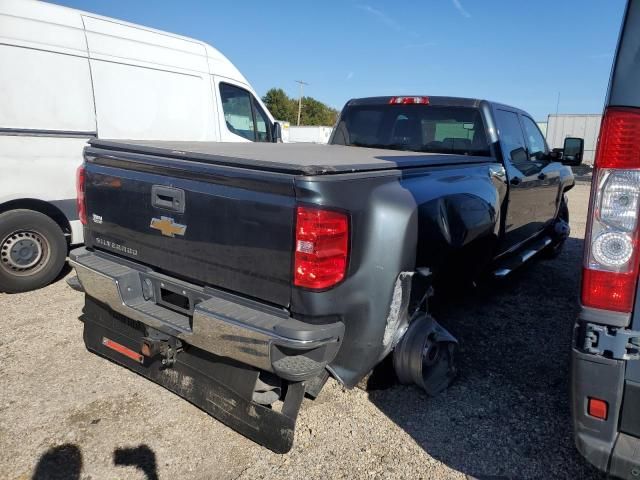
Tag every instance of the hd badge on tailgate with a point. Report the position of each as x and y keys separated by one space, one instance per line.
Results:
x=167 y=226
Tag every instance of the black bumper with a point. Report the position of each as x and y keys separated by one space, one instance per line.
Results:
x=611 y=445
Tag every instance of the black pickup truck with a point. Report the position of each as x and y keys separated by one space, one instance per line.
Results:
x=242 y=276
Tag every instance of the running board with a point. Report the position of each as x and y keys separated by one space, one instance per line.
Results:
x=519 y=258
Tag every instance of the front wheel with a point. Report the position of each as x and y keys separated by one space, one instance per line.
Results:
x=32 y=250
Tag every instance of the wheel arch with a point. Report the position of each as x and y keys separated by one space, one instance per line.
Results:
x=41 y=206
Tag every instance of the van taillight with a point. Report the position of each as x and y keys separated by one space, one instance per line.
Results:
x=610 y=269
x=80 y=198
x=321 y=248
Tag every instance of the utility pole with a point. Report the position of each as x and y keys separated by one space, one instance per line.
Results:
x=558 y=103
x=301 y=83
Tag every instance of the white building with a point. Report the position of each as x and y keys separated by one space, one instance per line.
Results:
x=585 y=126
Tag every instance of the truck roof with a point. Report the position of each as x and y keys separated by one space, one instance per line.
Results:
x=296 y=159
x=433 y=100
x=436 y=101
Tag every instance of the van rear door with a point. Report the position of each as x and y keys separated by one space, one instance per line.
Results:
x=625 y=92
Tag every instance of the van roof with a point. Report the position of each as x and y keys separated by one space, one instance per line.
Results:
x=71 y=17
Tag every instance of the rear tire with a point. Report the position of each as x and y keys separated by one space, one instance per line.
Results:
x=32 y=250
x=555 y=249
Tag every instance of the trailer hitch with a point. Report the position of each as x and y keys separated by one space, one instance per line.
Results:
x=159 y=344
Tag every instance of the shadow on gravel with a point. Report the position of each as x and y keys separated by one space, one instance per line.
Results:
x=64 y=462
x=508 y=413
x=142 y=457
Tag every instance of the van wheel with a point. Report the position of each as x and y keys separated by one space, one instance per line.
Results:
x=32 y=250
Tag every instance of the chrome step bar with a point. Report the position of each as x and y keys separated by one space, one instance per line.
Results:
x=517 y=259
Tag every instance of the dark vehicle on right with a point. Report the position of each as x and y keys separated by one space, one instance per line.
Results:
x=606 y=349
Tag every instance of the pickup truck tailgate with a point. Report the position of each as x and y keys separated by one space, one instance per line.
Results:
x=227 y=229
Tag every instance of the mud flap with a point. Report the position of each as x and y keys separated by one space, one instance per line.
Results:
x=220 y=387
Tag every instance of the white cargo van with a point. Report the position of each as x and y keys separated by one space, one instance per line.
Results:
x=68 y=75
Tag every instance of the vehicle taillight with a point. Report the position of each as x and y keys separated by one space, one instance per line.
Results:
x=611 y=250
x=322 y=243
x=409 y=100
x=80 y=198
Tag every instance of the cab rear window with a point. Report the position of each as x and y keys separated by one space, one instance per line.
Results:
x=421 y=128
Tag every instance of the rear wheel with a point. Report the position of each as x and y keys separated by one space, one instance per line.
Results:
x=32 y=250
x=426 y=355
x=555 y=249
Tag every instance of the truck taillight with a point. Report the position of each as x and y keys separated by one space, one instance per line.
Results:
x=321 y=248
x=80 y=198
x=611 y=245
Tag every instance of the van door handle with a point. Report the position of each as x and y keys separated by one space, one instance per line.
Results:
x=167 y=198
x=542 y=176
x=515 y=181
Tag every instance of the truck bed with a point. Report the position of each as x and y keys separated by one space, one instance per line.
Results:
x=296 y=159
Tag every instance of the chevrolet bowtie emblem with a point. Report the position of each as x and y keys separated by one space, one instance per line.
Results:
x=168 y=227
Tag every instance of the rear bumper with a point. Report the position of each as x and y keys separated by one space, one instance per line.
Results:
x=595 y=377
x=223 y=324
x=606 y=444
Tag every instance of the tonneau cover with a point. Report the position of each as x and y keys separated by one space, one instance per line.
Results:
x=293 y=158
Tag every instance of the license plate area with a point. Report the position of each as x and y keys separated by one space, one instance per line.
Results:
x=175 y=300
x=170 y=294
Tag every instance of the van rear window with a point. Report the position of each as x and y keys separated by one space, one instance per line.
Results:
x=420 y=128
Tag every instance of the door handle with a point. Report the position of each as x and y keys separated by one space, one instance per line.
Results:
x=168 y=198
x=515 y=181
x=542 y=176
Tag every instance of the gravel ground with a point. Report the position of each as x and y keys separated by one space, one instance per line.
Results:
x=65 y=413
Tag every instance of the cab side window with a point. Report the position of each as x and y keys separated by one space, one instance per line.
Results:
x=537 y=145
x=513 y=142
x=243 y=115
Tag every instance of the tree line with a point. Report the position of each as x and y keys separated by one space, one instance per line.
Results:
x=314 y=112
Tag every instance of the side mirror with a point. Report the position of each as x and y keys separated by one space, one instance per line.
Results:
x=572 y=151
x=277 y=133
x=519 y=156
x=556 y=154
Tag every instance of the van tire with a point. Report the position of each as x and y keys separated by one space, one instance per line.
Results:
x=33 y=250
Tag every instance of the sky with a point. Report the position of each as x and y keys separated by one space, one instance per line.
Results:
x=522 y=53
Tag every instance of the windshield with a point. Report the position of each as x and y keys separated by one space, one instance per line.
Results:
x=419 y=128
